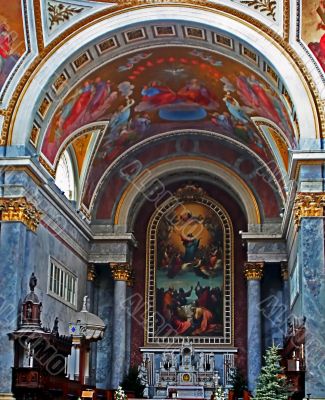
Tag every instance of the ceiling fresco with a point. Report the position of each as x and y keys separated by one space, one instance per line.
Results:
x=166 y=89
x=194 y=146
x=12 y=38
x=313 y=28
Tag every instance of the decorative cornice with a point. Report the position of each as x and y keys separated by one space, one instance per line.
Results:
x=47 y=167
x=125 y=6
x=308 y=205
x=18 y=209
x=121 y=271
x=91 y=273
x=254 y=271
x=284 y=270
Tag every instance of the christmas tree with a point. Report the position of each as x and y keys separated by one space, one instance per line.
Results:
x=119 y=394
x=272 y=384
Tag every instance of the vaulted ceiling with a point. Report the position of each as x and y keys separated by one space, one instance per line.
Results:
x=118 y=83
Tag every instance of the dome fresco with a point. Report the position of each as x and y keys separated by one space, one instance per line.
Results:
x=165 y=89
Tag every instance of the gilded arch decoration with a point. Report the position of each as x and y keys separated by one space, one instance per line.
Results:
x=189 y=280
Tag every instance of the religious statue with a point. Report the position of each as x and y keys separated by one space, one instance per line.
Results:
x=32 y=282
x=143 y=376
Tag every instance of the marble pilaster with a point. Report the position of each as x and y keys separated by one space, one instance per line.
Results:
x=254 y=273
x=285 y=293
x=91 y=277
x=12 y=256
x=128 y=311
x=121 y=274
x=312 y=266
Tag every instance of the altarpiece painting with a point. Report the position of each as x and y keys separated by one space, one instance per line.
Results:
x=189 y=274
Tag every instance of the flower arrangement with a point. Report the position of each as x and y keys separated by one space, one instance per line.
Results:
x=119 y=394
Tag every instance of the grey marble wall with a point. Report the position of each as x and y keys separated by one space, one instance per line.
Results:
x=254 y=333
x=46 y=246
x=311 y=256
x=12 y=257
x=23 y=252
x=104 y=293
x=272 y=307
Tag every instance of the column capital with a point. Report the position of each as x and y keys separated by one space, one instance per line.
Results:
x=284 y=270
x=121 y=271
x=91 y=273
x=253 y=270
x=18 y=209
x=308 y=204
x=131 y=280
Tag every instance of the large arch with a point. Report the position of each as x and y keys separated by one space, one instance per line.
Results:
x=284 y=64
x=147 y=178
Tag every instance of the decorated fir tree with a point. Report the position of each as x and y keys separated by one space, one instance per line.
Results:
x=271 y=384
x=119 y=394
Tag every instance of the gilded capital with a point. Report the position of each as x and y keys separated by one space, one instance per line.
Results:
x=121 y=271
x=254 y=271
x=91 y=273
x=18 y=209
x=309 y=205
x=284 y=270
x=131 y=280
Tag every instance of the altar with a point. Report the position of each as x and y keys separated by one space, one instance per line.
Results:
x=185 y=392
x=186 y=372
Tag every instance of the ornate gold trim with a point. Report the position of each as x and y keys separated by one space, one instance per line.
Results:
x=38 y=25
x=131 y=281
x=126 y=6
x=91 y=273
x=151 y=339
x=286 y=20
x=284 y=270
x=308 y=205
x=46 y=166
x=20 y=210
x=254 y=271
x=121 y=271
x=154 y=166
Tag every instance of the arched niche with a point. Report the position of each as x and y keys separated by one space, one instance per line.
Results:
x=189 y=272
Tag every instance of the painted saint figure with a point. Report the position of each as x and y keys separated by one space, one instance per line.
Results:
x=191 y=245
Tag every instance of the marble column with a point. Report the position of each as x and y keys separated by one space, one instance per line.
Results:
x=128 y=309
x=309 y=216
x=121 y=274
x=91 y=277
x=312 y=265
x=12 y=256
x=253 y=274
x=285 y=294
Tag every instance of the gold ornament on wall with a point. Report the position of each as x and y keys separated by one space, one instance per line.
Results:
x=18 y=209
x=121 y=271
x=309 y=205
x=254 y=271
x=284 y=270
x=91 y=273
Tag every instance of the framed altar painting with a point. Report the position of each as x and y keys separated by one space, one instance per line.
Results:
x=189 y=282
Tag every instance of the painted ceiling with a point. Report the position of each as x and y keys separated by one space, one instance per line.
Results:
x=166 y=89
x=125 y=90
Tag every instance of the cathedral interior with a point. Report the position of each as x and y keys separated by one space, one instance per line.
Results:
x=162 y=196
